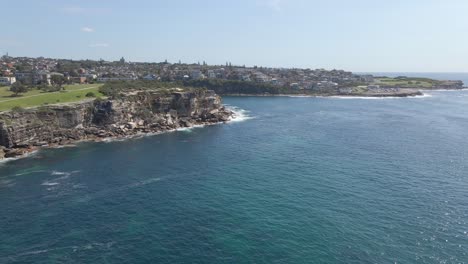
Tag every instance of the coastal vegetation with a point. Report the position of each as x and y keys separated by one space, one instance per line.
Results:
x=114 y=88
x=239 y=87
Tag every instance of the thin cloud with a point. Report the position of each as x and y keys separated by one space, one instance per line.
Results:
x=99 y=45
x=87 y=29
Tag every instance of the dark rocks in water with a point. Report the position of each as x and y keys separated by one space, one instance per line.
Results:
x=16 y=152
x=136 y=112
x=185 y=122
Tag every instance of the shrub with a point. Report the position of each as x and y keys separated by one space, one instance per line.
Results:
x=18 y=109
x=50 y=89
x=90 y=94
x=99 y=99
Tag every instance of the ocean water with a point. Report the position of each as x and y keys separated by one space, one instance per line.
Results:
x=303 y=180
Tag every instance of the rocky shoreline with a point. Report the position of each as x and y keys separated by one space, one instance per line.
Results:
x=397 y=93
x=402 y=92
x=134 y=114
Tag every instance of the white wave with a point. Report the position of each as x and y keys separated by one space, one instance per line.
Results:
x=145 y=182
x=114 y=139
x=56 y=181
x=7 y=183
x=239 y=114
x=59 y=173
x=183 y=129
x=76 y=248
x=64 y=174
x=62 y=146
x=29 y=172
x=46 y=183
x=188 y=129
x=425 y=95
x=449 y=90
x=301 y=96
x=379 y=98
x=29 y=154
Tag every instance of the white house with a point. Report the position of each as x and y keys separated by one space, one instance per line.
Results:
x=197 y=75
x=211 y=74
x=7 y=80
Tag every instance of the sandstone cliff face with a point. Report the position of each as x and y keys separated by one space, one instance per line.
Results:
x=134 y=113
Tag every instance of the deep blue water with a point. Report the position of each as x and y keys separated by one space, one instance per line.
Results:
x=307 y=180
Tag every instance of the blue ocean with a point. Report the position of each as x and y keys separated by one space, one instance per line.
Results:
x=291 y=180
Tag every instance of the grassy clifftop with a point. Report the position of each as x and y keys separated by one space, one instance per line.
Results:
x=414 y=82
x=35 y=97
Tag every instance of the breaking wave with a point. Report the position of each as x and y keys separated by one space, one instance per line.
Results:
x=239 y=114
x=3 y=161
x=63 y=175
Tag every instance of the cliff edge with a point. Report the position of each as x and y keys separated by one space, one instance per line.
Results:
x=129 y=114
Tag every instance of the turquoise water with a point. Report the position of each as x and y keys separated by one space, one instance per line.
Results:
x=306 y=180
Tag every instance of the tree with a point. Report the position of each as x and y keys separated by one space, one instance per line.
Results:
x=18 y=88
x=57 y=80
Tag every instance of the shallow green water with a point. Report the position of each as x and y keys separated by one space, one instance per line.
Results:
x=306 y=180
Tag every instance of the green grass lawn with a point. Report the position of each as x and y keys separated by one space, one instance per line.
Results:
x=407 y=82
x=34 y=98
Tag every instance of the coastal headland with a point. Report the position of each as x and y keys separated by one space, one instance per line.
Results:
x=128 y=114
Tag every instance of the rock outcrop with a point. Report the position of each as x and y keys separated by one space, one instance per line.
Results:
x=131 y=114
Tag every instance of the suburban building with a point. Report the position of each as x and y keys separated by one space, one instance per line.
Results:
x=7 y=80
x=197 y=75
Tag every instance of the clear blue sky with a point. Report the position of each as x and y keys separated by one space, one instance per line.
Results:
x=356 y=35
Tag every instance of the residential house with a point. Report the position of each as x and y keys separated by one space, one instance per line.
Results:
x=7 y=80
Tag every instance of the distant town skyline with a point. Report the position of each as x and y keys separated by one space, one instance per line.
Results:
x=358 y=36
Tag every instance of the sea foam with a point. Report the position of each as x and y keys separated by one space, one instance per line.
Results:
x=239 y=114
x=3 y=161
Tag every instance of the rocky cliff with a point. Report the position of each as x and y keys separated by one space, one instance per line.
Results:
x=133 y=113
